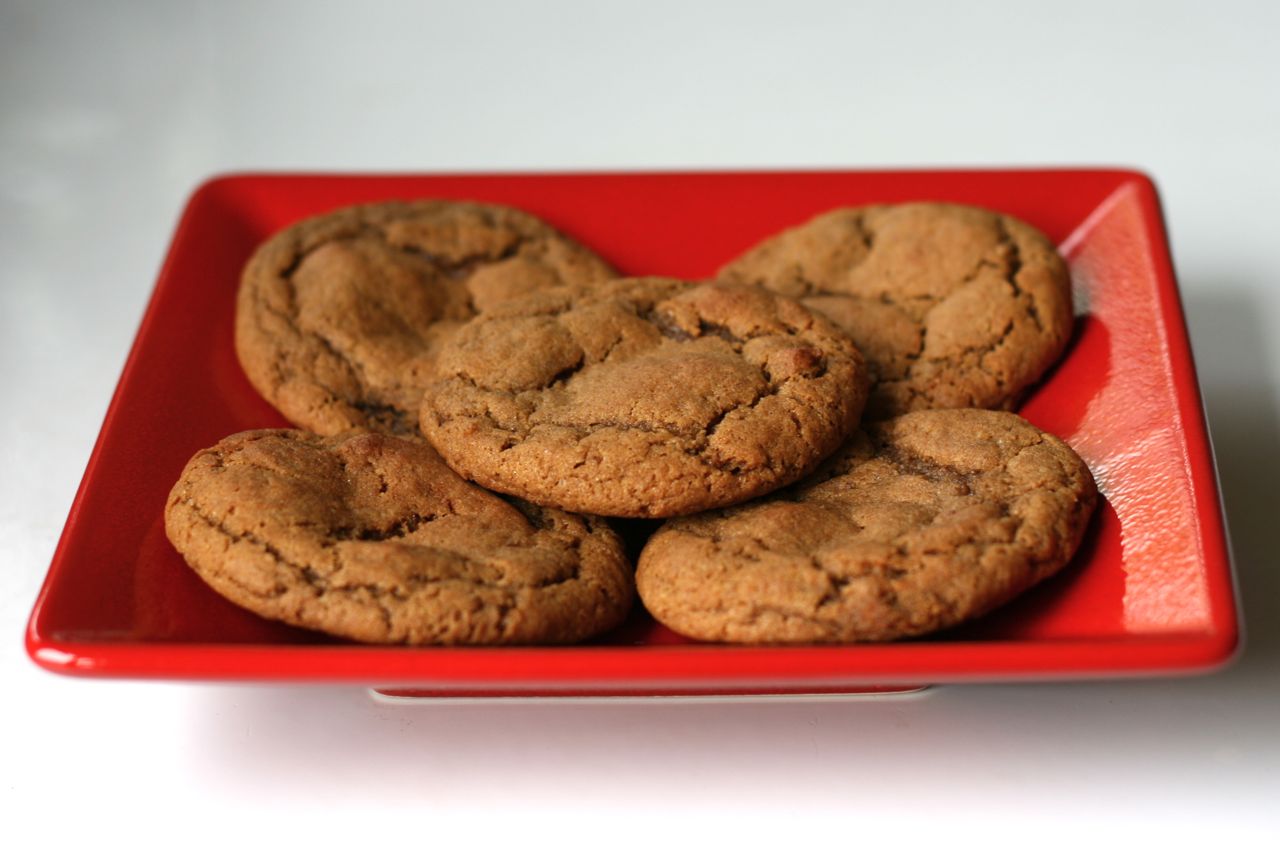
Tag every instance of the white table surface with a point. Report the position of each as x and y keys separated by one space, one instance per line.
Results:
x=110 y=116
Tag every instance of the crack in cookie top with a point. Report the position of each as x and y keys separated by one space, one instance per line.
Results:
x=339 y=316
x=952 y=306
x=916 y=524
x=374 y=538
x=643 y=397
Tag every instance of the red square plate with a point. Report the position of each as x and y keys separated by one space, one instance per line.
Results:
x=1150 y=593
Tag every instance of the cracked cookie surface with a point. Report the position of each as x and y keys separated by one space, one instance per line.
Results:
x=374 y=538
x=915 y=525
x=339 y=316
x=952 y=306
x=644 y=397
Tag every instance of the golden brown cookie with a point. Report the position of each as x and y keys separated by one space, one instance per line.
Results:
x=916 y=524
x=339 y=316
x=372 y=537
x=644 y=397
x=952 y=306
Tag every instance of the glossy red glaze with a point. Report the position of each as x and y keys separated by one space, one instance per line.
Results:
x=1150 y=593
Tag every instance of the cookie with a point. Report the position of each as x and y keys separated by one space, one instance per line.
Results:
x=916 y=524
x=372 y=537
x=952 y=306
x=339 y=316
x=646 y=397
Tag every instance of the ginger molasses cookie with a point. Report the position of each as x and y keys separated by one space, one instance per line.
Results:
x=952 y=306
x=916 y=524
x=339 y=316
x=372 y=537
x=644 y=397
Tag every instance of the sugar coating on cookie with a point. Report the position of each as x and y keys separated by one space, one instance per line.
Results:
x=339 y=316
x=644 y=397
x=374 y=538
x=952 y=306
x=916 y=524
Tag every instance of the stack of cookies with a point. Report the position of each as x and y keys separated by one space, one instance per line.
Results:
x=478 y=394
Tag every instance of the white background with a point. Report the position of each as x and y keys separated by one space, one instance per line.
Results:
x=109 y=115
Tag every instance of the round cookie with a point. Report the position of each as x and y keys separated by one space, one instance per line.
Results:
x=916 y=524
x=645 y=397
x=339 y=316
x=372 y=537
x=952 y=306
